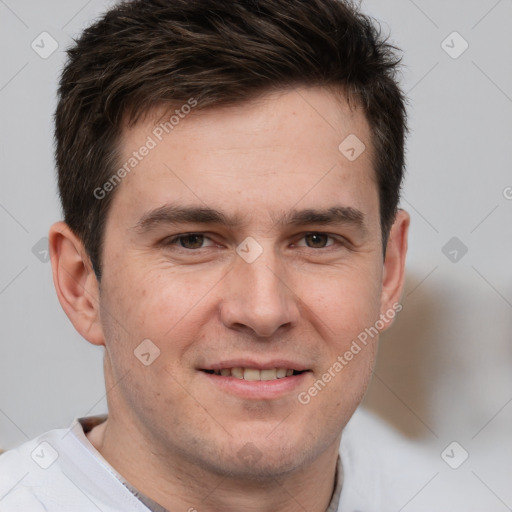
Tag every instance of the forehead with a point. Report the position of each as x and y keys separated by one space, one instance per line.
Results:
x=305 y=145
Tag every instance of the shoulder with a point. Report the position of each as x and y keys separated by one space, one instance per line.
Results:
x=380 y=466
x=58 y=472
x=23 y=474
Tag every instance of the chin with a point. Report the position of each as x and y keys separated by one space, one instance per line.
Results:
x=263 y=468
x=269 y=459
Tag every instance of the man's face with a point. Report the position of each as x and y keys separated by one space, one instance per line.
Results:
x=274 y=172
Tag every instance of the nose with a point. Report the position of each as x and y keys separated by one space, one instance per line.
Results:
x=257 y=298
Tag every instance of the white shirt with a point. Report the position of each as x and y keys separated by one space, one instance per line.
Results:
x=61 y=471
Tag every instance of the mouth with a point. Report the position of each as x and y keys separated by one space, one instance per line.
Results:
x=255 y=374
x=250 y=380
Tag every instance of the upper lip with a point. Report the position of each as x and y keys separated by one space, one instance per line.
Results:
x=258 y=365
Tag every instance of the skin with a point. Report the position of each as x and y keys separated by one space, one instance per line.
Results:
x=172 y=432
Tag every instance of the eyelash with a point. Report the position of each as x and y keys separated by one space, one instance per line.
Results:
x=175 y=240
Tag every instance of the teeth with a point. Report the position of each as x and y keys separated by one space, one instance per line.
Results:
x=237 y=372
x=252 y=374
x=269 y=374
x=280 y=373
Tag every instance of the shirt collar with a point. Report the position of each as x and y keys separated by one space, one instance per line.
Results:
x=88 y=423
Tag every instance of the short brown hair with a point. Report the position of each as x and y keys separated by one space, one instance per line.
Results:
x=147 y=53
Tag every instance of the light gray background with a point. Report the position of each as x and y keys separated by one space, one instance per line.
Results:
x=445 y=369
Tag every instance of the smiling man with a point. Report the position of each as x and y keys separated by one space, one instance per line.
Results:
x=229 y=174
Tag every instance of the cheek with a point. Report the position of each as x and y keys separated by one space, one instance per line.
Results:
x=345 y=302
x=159 y=303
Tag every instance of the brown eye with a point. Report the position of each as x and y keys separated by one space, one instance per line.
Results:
x=316 y=240
x=191 y=241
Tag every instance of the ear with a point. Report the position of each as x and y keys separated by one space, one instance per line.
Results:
x=394 y=265
x=75 y=282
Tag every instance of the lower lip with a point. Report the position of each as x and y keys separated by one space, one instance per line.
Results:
x=257 y=389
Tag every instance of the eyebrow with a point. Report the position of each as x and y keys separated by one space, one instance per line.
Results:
x=176 y=214
x=333 y=215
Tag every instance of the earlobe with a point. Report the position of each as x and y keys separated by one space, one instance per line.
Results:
x=75 y=282
x=393 y=274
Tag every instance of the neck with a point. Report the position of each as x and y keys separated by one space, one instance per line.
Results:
x=179 y=484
